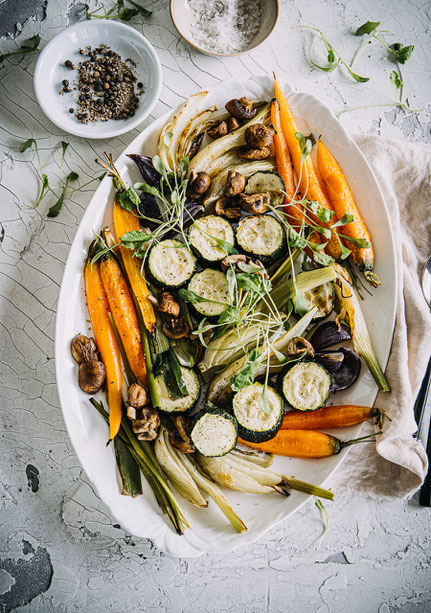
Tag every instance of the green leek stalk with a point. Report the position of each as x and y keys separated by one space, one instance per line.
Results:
x=305 y=281
x=128 y=469
x=308 y=488
x=144 y=455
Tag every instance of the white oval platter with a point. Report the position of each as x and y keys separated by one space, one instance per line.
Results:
x=210 y=532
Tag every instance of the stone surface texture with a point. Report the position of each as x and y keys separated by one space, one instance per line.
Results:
x=59 y=548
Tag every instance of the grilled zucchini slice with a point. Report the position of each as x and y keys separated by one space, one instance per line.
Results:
x=211 y=285
x=170 y=264
x=214 y=432
x=184 y=404
x=254 y=424
x=267 y=181
x=321 y=297
x=202 y=234
x=306 y=386
x=261 y=237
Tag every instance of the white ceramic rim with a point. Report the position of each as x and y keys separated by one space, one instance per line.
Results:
x=163 y=538
x=193 y=44
x=81 y=131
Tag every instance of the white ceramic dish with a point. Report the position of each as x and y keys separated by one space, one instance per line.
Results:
x=210 y=530
x=50 y=71
x=183 y=19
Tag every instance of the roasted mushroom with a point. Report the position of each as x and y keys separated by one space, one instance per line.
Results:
x=137 y=396
x=225 y=207
x=167 y=304
x=91 y=376
x=257 y=204
x=232 y=261
x=83 y=349
x=218 y=131
x=176 y=328
x=300 y=346
x=241 y=109
x=232 y=124
x=235 y=183
x=147 y=426
x=179 y=438
x=258 y=136
x=199 y=184
x=248 y=153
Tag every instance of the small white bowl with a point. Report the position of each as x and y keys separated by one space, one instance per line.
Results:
x=50 y=72
x=183 y=20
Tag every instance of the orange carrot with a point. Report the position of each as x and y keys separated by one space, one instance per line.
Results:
x=304 y=444
x=282 y=156
x=339 y=416
x=124 y=314
x=342 y=202
x=106 y=342
x=310 y=184
x=125 y=221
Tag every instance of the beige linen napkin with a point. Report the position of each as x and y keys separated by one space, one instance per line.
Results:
x=398 y=468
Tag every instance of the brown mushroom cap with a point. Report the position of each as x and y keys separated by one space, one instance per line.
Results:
x=176 y=328
x=137 y=396
x=257 y=204
x=241 y=109
x=168 y=304
x=147 y=426
x=300 y=346
x=83 y=349
x=91 y=376
x=225 y=207
x=258 y=136
x=248 y=153
x=218 y=131
x=235 y=183
x=200 y=182
x=232 y=124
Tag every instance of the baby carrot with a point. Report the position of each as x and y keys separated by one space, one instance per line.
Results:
x=337 y=416
x=124 y=314
x=304 y=444
x=98 y=309
x=282 y=156
x=342 y=202
x=310 y=184
x=125 y=221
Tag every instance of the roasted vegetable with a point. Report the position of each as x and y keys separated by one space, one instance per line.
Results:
x=98 y=309
x=124 y=314
x=284 y=164
x=91 y=376
x=337 y=416
x=305 y=444
x=330 y=333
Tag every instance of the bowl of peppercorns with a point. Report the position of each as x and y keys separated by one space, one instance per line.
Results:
x=98 y=79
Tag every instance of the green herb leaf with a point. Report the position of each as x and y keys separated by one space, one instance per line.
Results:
x=167 y=140
x=249 y=268
x=145 y=12
x=346 y=218
x=306 y=143
x=135 y=239
x=401 y=53
x=395 y=78
x=231 y=315
x=344 y=251
x=324 y=215
x=333 y=63
x=127 y=14
x=322 y=258
x=250 y=282
x=129 y=199
x=72 y=176
x=64 y=147
x=357 y=77
x=313 y=205
x=362 y=243
x=157 y=162
x=367 y=28
x=27 y=144
x=280 y=356
x=246 y=375
x=56 y=208
x=43 y=189
x=263 y=403
x=148 y=189
x=191 y=297
x=34 y=42
x=231 y=284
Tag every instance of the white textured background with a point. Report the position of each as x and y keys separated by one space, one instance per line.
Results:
x=59 y=549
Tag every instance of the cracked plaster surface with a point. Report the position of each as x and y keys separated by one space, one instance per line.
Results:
x=374 y=557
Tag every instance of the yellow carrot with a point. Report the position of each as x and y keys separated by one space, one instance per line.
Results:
x=98 y=309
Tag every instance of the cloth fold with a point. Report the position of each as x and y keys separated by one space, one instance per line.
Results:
x=397 y=464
